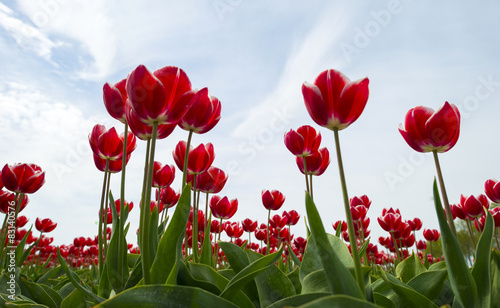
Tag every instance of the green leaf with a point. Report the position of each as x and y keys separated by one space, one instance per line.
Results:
x=315 y=282
x=382 y=301
x=272 y=284
x=135 y=276
x=338 y=276
x=76 y=281
x=430 y=283
x=339 y=301
x=297 y=300
x=74 y=300
x=206 y=249
x=20 y=256
x=43 y=294
x=170 y=246
x=235 y=256
x=165 y=296
x=409 y=268
x=495 y=296
x=249 y=273
x=311 y=261
x=461 y=280
x=117 y=271
x=294 y=256
x=153 y=232
x=408 y=296
x=132 y=259
x=295 y=280
x=482 y=269
x=52 y=274
x=437 y=266
x=186 y=279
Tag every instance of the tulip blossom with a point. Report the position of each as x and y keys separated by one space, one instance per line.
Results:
x=107 y=144
x=7 y=202
x=390 y=222
x=21 y=221
x=199 y=159
x=45 y=225
x=163 y=176
x=343 y=225
x=211 y=181
x=114 y=166
x=303 y=142
x=426 y=130
x=114 y=97
x=415 y=224
x=23 y=178
x=203 y=113
x=333 y=100
x=272 y=199
x=316 y=163
x=432 y=235
x=143 y=131
x=169 y=197
x=292 y=217
x=249 y=225
x=473 y=206
x=222 y=208
x=492 y=190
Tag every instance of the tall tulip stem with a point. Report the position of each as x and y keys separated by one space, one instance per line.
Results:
x=146 y=249
x=305 y=174
x=268 y=219
x=121 y=243
x=347 y=208
x=101 y=214
x=447 y=209
x=186 y=157
x=194 y=238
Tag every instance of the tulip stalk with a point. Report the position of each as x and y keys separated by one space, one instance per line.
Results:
x=447 y=208
x=350 y=224
x=105 y=214
x=305 y=174
x=146 y=251
x=122 y=244
x=268 y=219
x=101 y=214
x=186 y=157
x=194 y=238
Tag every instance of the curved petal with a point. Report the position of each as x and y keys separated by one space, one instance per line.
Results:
x=315 y=105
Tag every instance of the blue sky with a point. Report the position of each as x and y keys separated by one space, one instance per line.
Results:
x=55 y=56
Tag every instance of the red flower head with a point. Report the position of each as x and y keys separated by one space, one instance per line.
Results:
x=114 y=165
x=390 y=222
x=421 y=245
x=432 y=235
x=169 y=197
x=495 y=212
x=473 y=206
x=426 y=130
x=163 y=176
x=143 y=131
x=363 y=200
x=199 y=159
x=211 y=181
x=492 y=190
x=215 y=227
x=303 y=142
x=203 y=113
x=126 y=205
x=334 y=101
x=261 y=234
x=107 y=144
x=343 y=225
x=7 y=202
x=23 y=178
x=21 y=221
x=272 y=199
x=114 y=97
x=234 y=230
x=415 y=224
x=249 y=225
x=155 y=97
x=1 y=183
x=45 y=225
x=458 y=211
x=292 y=217
x=316 y=163
x=222 y=208
x=277 y=221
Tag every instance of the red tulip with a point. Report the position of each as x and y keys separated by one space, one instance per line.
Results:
x=107 y=144
x=163 y=176
x=292 y=217
x=203 y=113
x=458 y=211
x=495 y=212
x=45 y=225
x=114 y=97
x=126 y=205
x=426 y=130
x=492 y=190
x=261 y=234
x=215 y=227
x=334 y=101
x=211 y=181
x=272 y=199
x=23 y=178
x=421 y=245
x=222 y=208
x=234 y=230
x=114 y=165
x=277 y=221
x=473 y=206
x=363 y=200
x=143 y=131
x=415 y=224
x=7 y=202
x=1 y=182
x=316 y=163
x=343 y=225
x=21 y=221
x=249 y=225
x=199 y=159
x=169 y=197
x=300 y=243
x=390 y=222
x=303 y=142
x=432 y=235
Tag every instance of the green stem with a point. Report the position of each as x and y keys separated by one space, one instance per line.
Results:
x=143 y=194
x=101 y=214
x=447 y=209
x=106 y=206
x=217 y=245
x=121 y=243
x=350 y=225
x=311 y=185
x=305 y=174
x=186 y=157
x=206 y=209
x=396 y=246
x=194 y=238
x=268 y=218
x=146 y=252
x=471 y=234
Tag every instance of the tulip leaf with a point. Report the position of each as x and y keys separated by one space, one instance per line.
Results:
x=166 y=295
x=409 y=297
x=235 y=256
x=117 y=271
x=339 y=301
x=338 y=276
x=42 y=294
x=135 y=276
x=272 y=284
x=461 y=280
x=185 y=278
x=409 y=268
x=74 y=300
x=170 y=246
x=482 y=267
x=382 y=301
x=295 y=280
x=298 y=300
x=495 y=296
x=20 y=255
x=315 y=282
x=206 y=248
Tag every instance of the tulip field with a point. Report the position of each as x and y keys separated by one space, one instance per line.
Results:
x=179 y=259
